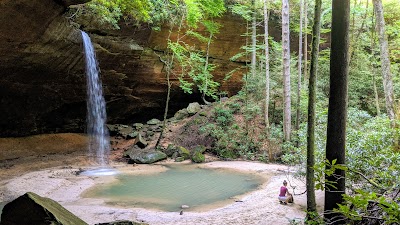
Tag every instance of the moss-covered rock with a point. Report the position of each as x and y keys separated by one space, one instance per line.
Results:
x=183 y=152
x=181 y=114
x=146 y=157
x=198 y=157
x=150 y=133
x=31 y=208
x=170 y=150
x=203 y=113
x=132 y=135
x=179 y=159
x=138 y=126
x=153 y=122
x=193 y=108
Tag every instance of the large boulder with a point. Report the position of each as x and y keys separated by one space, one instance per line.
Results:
x=183 y=152
x=146 y=157
x=193 y=108
x=181 y=114
x=197 y=154
x=198 y=157
x=170 y=150
x=31 y=208
x=140 y=141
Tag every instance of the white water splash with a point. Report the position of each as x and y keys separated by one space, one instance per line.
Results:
x=99 y=144
x=97 y=172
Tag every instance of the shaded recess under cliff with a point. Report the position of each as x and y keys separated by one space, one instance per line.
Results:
x=42 y=77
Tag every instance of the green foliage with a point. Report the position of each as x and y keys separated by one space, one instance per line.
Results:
x=199 y=10
x=326 y=168
x=196 y=70
x=193 y=66
x=243 y=10
x=370 y=148
x=372 y=166
x=224 y=117
x=366 y=204
x=110 y=11
x=228 y=127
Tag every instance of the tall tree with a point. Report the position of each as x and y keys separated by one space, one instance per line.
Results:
x=206 y=70
x=337 y=110
x=286 y=70
x=188 y=14
x=356 y=32
x=253 y=40
x=299 y=65
x=267 y=79
x=305 y=48
x=168 y=67
x=373 y=64
x=310 y=180
x=385 y=62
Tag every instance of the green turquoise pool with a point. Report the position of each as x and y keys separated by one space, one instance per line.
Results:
x=179 y=185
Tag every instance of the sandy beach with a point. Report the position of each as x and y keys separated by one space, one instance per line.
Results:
x=257 y=207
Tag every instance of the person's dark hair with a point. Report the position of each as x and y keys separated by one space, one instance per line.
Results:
x=284 y=182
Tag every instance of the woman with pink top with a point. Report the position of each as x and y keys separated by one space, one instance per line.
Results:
x=284 y=195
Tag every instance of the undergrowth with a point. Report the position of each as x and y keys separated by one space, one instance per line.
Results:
x=239 y=130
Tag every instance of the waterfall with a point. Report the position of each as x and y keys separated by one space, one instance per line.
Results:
x=99 y=143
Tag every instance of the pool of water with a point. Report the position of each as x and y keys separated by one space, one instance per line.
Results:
x=179 y=185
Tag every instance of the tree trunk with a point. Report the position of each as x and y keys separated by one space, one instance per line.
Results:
x=205 y=71
x=373 y=65
x=253 y=42
x=168 y=67
x=385 y=62
x=286 y=70
x=246 y=84
x=305 y=53
x=297 y=124
x=337 y=111
x=378 y=109
x=266 y=106
x=310 y=180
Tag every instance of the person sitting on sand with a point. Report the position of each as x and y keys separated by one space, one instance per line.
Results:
x=284 y=195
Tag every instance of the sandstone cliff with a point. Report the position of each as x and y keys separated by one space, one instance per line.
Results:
x=42 y=78
x=42 y=81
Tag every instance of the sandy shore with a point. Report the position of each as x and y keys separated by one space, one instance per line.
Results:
x=258 y=207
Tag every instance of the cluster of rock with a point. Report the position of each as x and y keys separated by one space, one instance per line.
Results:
x=144 y=153
x=31 y=208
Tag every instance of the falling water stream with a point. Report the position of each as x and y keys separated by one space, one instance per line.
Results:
x=99 y=145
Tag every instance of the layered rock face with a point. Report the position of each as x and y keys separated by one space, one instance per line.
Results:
x=42 y=71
